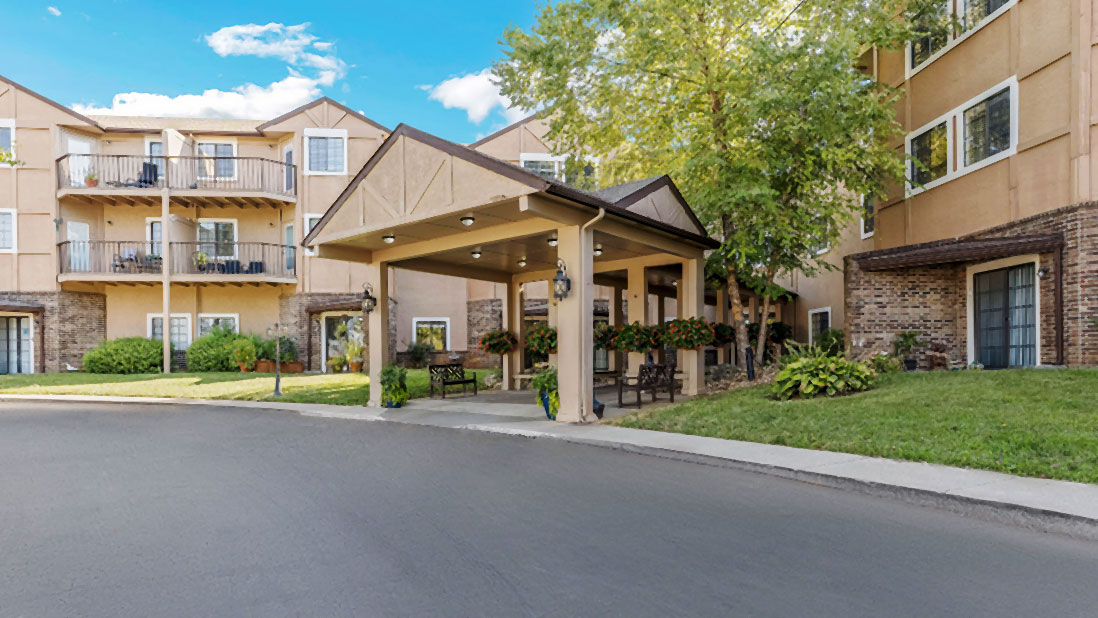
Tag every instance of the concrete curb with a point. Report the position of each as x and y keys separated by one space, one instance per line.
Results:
x=1059 y=507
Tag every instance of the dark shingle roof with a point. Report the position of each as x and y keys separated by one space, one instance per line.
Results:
x=624 y=190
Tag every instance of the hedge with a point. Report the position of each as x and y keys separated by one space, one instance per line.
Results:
x=125 y=356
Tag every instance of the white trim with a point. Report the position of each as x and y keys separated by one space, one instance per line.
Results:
x=198 y=325
x=812 y=312
x=168 y=327
x=970 y=274
x=954 y=38
x=8 y=123
x=310 y=132
x=221 y=141
x=861 y=220
x=29 y=316
x=236 y=235
x=558 y=162
x=954 y=122
x=309 y=251
x=288 y=147
x=416 y=321
x=14 y=230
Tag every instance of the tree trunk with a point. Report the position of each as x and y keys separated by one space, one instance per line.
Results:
x=738 y=321
x=764 y=319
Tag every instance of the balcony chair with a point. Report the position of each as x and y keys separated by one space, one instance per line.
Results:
x=150 y=175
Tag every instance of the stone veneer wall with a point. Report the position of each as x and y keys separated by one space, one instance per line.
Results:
x=73 y=323
x=934 y=299
x=293 y=311
x=483 y=315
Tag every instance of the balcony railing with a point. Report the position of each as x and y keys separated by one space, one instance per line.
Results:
x=108 y=172
x=223 y=259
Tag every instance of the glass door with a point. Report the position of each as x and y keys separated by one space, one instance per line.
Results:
x=1006 y=317
x=15 y=344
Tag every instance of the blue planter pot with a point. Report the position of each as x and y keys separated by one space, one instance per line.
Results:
x=389 y=404
x=545 y=405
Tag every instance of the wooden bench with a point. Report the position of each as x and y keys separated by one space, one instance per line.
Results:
x=450 y=375
x=649 y=378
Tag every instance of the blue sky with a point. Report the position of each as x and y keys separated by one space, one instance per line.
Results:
x=396 y=60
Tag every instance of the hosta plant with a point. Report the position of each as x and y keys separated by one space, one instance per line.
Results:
x=542 y=340
x=637 y=337
x=688 y=333
x=811 y=376
x=498 y=342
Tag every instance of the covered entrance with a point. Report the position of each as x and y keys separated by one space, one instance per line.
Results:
x=1005 y=305
x=426 y=204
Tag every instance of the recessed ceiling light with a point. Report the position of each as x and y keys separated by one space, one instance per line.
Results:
x=476 y=254
x=522 y=262
x=467 y=220
x=598 y=249
x=552 y=241
x=675 y=283
x=389 y=239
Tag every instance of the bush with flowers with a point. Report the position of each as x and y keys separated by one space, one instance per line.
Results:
x=498 y=342
x=542 y=340
x=688 y=333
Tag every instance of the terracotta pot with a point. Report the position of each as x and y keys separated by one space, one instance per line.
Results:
x=356 y=367
x=264 y=366
x=293 y=367
x=91 y=183
x=244 y=368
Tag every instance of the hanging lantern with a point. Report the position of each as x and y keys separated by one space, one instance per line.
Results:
x=369 y=302
x=562 y=285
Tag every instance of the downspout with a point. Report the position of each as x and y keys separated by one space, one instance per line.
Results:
x=587 y=360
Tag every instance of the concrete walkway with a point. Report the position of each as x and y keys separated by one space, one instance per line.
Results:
x=1047 y=505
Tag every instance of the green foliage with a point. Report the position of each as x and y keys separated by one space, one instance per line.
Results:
x=905 y=342
x=604 y=336
x=394 y=385
x=545 y=381
x=832 y=341
x=243 y=352
x=637 y=337
x=810 y=376
x=125 y=356
x=542 y=339
x=723 y=334
x=886 y=363
x=214 y=351
x=498 y=342
x=419 y=354
x=687 y=333
x=776 y=332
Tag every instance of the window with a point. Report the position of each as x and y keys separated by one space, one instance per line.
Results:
x=217 y=237
x=869 y=217
x=219 y=162
x=975 y=11
x=311 y=222
x=325 y=151
x=435 y=332
x=209 y=321
x=549 y=167
x=16 y=344
x=7 y=136
x=289 y=248
x=935 y=31
x=930 y=151
x=987 y=127
x=154 y=234
x=8 y=231
x=154 y=150
x=288 y=159
x=180 y=334
x=819 y=320
x=939 y=35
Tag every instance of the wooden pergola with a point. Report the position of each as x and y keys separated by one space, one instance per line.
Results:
x=423 y=203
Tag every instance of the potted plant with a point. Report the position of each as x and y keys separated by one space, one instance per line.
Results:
x=604 y=336
x=637 y=337
x=288 y=358
x=905 y=342
x=244 y=354
x=355 y=345
x=264 y=355
x=91 y=180
x=688 y=334
x=542 y=340
x=545 y=385
x=200 y=260
x=394 y=387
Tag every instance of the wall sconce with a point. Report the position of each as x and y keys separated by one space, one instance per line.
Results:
x=369 y=302
x=109 y=222
x=1042 y=273
x=562 y=285
x=476 y=254
x=552 y=241
x=468 y=220
x=598 y=249
x=388 y=239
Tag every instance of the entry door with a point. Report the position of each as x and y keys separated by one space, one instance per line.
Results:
x=1006 y=317
x=79 y=235
x=79 y=160
x=15 y=344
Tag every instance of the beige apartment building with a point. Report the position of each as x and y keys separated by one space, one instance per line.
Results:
x=990 y=250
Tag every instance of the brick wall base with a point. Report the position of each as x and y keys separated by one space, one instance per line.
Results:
x=306 y=329
x=72 y=323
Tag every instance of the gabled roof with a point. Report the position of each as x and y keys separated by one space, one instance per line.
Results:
x=620 y=192
x=485 y=140
x=294 y=112
x=52 y=103
x=507 y=170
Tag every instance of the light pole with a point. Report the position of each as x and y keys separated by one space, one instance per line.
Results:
x=277 y=331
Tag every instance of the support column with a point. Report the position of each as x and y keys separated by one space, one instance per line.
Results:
x=679 y=360
x=638 y=309
x=512 y=321
x=616 y=358
x=692 y=294
x=722 y=318
x=575 y=328
x=166 y=277
x=551 y=314
x=377 y=275
x=661 y=318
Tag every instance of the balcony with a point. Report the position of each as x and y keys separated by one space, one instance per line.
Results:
x=194 y=262
x=203 y=181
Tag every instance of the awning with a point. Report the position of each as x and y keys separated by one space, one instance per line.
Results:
x=17 y=307
x=957 y=250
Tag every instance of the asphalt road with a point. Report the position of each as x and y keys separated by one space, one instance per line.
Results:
x=168 y=511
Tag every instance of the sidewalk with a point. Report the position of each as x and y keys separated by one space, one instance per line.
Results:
x=1047 y=505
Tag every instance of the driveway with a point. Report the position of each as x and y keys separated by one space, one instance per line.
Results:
x=165 y=511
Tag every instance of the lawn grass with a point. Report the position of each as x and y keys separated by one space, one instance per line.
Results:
x=1041 y=423
x=347 y=389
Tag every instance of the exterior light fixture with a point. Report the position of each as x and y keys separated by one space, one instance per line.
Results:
x=522 y=262
x=598 y=249
x=552 y=241
x=388 y=239
x=368 y=299
x=675 y=283
x=476 y=254
x=278 y=331
x=562 y=285
x=1041 y=272
x=467 y=220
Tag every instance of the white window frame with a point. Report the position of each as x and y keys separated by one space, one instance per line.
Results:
x=449 y=330
x=955 y=39
x=558 y=161
x=324 y=335
x=310 y=132
x=222 y=141
x=861 y=220
x=970 y=276
x=955 y=130
x=14 y=230
x=234 y=316
x=236 y=235
x=30 y=316
x=8 y=123
x=827 y=310
x=168 y=327
x=309 y=251
x=151 y=139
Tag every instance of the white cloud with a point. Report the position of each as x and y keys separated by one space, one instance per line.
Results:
x=309 y=73
x=53 y=11
x=476 y=93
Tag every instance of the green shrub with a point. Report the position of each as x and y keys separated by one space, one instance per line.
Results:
x=126 y=355
x=213 y=351
x=419 y=354
x=810 y=376
x=394 y=387
x=832 y=341
x=265 y=348
x=243 y=353
x=887 y=363
x=545 y=381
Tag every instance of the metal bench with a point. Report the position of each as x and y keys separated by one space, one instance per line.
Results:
x=450 y=375
x=649 y=378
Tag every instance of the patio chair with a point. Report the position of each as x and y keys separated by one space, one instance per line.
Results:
x=150 y=175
